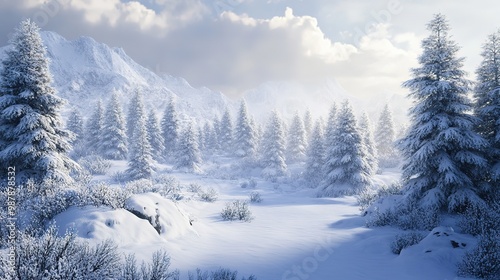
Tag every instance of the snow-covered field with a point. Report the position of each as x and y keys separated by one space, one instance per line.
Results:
x=293 y=234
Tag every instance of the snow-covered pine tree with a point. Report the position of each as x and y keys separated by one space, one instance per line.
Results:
x=331 y=123
x=443 y=155
x=201 y=138
x=313 y=173
x=188 y=153
x=385 y=137
x=113 y=137
x=32 y=138
x=308 y=124
x=216 y=130
x=245 y=138
x=75 y=124
x=170 y=129
x=140 y=161
x=297 y=142
x=273 y=148
x=346 y=169
x=226 y=132
x=365 y=129
x=93 y=130
x=135 y=110
x=208 y=138
x=487 y=105
x=155 y=136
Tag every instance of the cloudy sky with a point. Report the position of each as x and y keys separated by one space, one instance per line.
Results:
x=235 y=45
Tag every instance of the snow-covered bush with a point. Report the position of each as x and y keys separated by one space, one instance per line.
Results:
x=120 y=177
x=95 y=164
x=478 y=220
x=194 y=188
x=158 y=268
x=139 y=186
x=236 y=210
x=52 y=257
x=255 y=197
x=484 y=260
x=219 y=274
x=405 y=240
x=101 y=194
x=209 y=195
x=251 y=184
x=367 y=197
x=405 y=215
x=167 y=186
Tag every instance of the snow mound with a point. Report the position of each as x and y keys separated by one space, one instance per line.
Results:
x=442 y=246
x=97 y=224
x=164 y=214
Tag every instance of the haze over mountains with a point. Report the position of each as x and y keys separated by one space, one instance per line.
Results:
x=86 y=71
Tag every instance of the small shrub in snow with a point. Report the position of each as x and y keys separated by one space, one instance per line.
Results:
x=405 y=240
x=210 y=195
x=251 y=184
x=407 y=217
x=484 y=260
x=120 y=177
x=255 y=197
x=52 y=257
x=158 y=268
x=367 y=198
x=96 y=165
x=479 y=220
x=236 y=210
x=101 y=194
x=139 y=186
x=194 y=188
x=219 y=274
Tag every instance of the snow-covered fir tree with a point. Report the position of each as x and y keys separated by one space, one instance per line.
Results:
x=297 y=141
x=75 y=124
x=113 y=138
x=209 y=138
x=245 y=138
x=188 y=154
x=487 y=106
x=135 y=111
x=93 y=130
x=385 y=137
x=313 y=173
x=443 y=155
x=308 y=124
x=331 y=123
x=273 y=148
x=201 y=138
x=216 y=135
x=170 y=129
x=155 y=136
x=346 y=169
x=32 y=137
x=226 y=132
x=140 y=161
x=365 y=129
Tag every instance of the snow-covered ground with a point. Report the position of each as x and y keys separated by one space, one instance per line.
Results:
x=293 y=234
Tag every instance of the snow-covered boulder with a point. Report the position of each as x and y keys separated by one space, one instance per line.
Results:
x=164 y=214
x=442 y=245
x=97 y=224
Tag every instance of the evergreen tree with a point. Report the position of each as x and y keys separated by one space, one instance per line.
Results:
x=487 y=106
x=135 y=111
x=217 y=132
x=308 y=124
x=331 y=123
x=75 y=124
x=140 y=162
x=297 y=143
x=155 y=136
x=273 y=148
x=385 y=137
x=346 y=168
x=209 y=138
x=113 y=139
x=313 y=173
x=443 y=156
x=367 y=137
x=170 y=129
x=226 y=132
x=93 y=130
x=31 y=135
x=188 y=154
x=245 y=138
